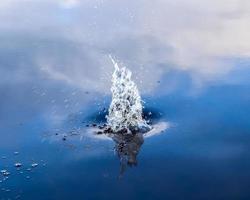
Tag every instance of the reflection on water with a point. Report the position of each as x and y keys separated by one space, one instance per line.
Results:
x=190 y=61
x=127 y=148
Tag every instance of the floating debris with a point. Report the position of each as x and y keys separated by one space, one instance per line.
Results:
x=34 y=165
x=5 y=172
x=108 y=130
x=99 y=132
x=18 y=165
x=101 y=127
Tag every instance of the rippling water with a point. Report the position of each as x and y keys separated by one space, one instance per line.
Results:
x=190 y=62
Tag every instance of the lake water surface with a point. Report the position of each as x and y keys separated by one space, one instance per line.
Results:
x=191 y=63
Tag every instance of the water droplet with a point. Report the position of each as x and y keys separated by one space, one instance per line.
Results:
x=34 y=165
x=5 y=172
x=18 y=165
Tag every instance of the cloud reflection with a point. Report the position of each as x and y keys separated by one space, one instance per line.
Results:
x=69 y=40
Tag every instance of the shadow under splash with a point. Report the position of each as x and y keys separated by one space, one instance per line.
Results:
x=127 y=148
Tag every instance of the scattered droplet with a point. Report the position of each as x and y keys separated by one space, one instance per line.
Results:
x=18 y=165
x=34 y=165
x=5 y=172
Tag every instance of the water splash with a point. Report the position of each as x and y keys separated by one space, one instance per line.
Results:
x=125 y=111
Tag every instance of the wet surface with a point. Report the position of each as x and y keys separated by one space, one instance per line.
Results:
x=55 y=92
x=205 y=151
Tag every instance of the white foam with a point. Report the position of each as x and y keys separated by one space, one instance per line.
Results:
x=158 y=129
x=125 y=110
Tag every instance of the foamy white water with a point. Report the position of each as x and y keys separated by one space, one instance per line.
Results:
x=158 y=129
x=125 y=111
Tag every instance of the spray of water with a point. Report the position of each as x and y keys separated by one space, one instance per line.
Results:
x=125 y=111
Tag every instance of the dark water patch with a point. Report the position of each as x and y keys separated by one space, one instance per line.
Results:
x=97 y=117
x=152 y=114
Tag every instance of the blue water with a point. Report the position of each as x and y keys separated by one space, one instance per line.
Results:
x=190 y=61
x=203 y=155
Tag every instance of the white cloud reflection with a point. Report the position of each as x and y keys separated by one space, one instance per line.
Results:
x=71 y=39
